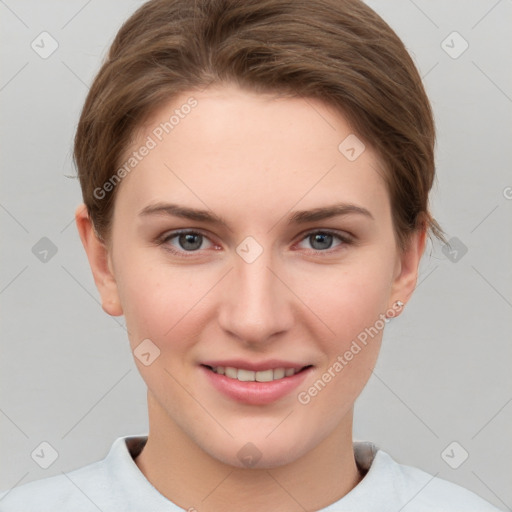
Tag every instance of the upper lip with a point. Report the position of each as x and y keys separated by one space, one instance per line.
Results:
x=242 y=364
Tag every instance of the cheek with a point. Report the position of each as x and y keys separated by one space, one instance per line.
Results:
x=160 y=301
x=354 y=313
x=156 y=297
x=349 y=299
x=353 y=307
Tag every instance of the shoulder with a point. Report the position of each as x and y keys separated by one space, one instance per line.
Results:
x=114 y=484
x=419 y=491
x=77 y=490
x=389 y=486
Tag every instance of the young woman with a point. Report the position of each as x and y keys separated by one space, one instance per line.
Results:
x=255 y=176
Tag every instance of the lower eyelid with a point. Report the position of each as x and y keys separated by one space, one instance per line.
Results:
x=170 y=236
x=343 y=239
x=165 y=240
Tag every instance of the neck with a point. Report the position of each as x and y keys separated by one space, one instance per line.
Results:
x=196 y=480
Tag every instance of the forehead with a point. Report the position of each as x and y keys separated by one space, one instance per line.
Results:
x=225 y=145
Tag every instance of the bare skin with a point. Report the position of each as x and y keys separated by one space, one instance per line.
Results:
x=252 y=160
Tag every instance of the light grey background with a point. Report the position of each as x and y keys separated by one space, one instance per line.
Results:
x=67 y=373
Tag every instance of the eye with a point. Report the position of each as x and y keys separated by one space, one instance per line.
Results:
x=179 y=242
x=322 y=241
x=186 y=242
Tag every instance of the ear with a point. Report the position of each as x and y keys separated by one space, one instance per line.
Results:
x=99 y=258
x=408 y=261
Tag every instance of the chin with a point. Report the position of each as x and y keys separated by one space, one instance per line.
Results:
x=261 y=452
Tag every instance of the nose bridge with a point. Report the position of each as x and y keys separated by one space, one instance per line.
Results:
x=256 y=304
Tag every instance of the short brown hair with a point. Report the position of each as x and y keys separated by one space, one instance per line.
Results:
x=338 y=51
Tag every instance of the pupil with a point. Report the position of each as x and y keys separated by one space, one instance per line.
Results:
x=324 y=239
x=187 y=241
x=318 y=241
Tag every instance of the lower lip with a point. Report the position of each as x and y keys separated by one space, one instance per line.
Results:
x=255 y=393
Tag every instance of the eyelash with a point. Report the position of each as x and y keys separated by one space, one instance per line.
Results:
x=163 y=240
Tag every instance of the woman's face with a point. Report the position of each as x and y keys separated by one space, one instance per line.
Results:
x=225 y=253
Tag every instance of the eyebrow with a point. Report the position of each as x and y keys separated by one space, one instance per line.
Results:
x=297 y=217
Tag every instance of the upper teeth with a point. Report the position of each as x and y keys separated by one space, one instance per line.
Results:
x=249 y=375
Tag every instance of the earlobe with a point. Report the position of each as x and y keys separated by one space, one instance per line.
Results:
x=409 y=260
x=99 y=256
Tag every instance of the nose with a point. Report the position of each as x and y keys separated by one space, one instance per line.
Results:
x=256 y=305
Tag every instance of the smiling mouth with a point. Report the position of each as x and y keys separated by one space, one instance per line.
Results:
x=255 y=376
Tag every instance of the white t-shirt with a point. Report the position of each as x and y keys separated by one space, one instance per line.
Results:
x=116 y=484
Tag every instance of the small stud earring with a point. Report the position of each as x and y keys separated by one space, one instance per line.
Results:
x=395 y=310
